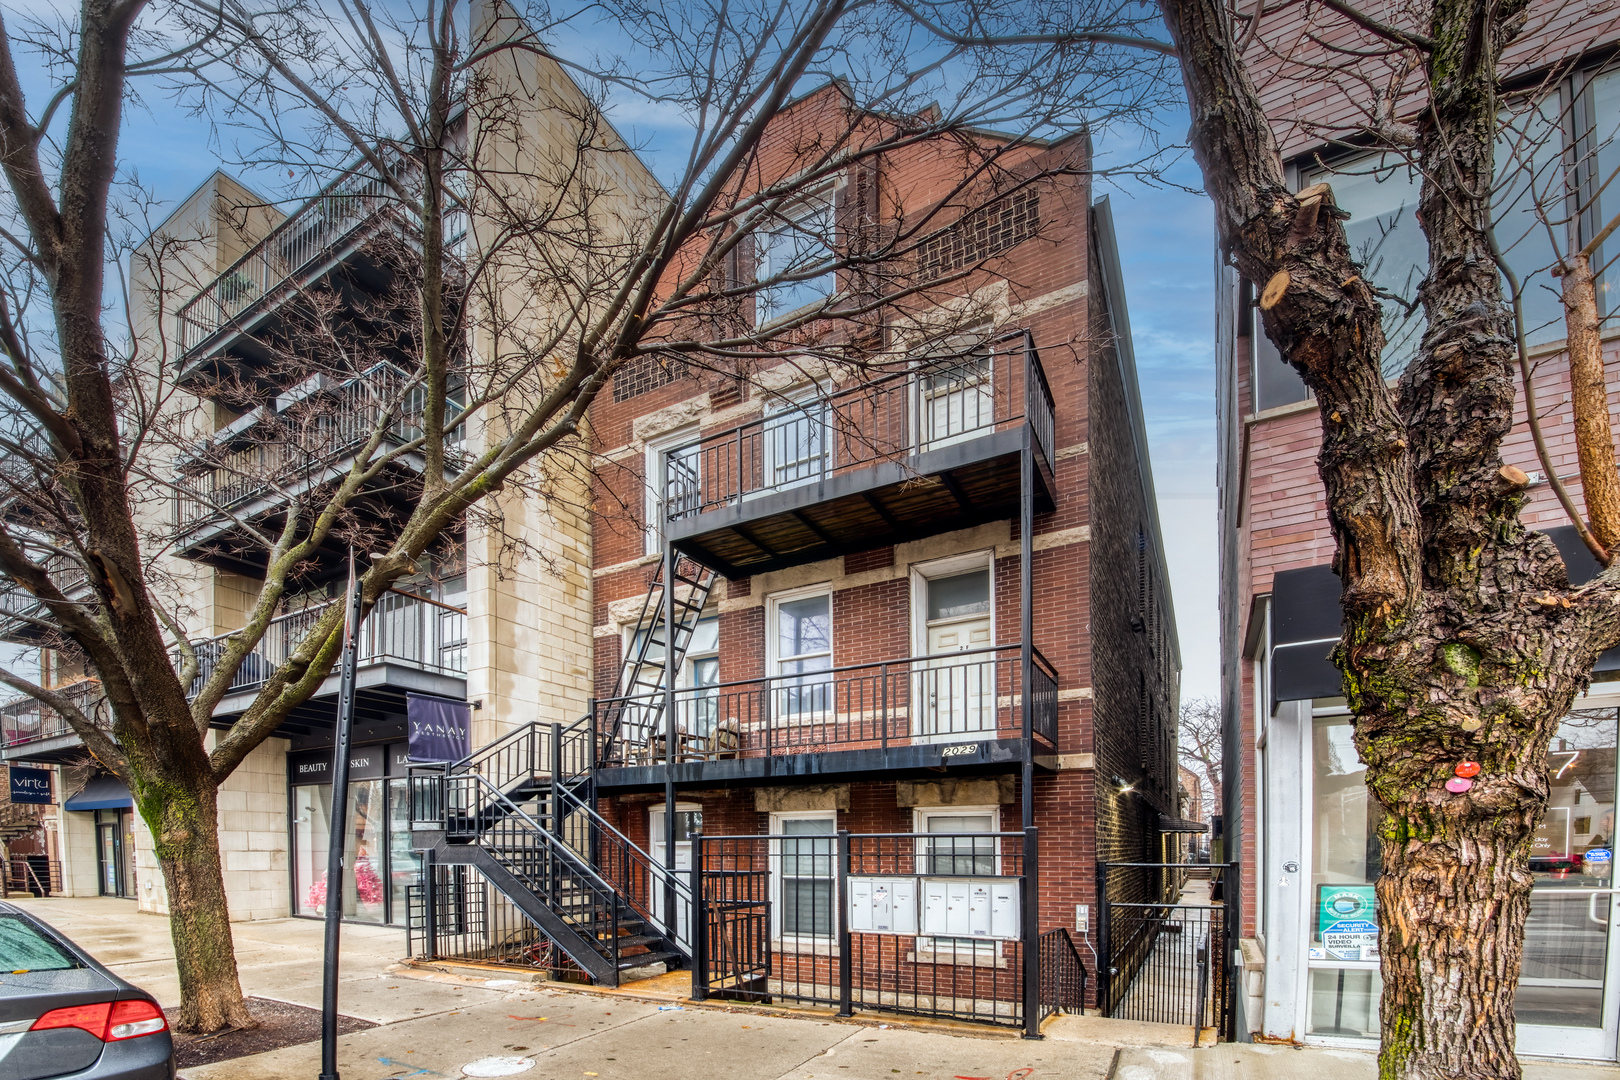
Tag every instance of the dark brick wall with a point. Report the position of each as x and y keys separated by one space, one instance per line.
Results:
x=1133 y=682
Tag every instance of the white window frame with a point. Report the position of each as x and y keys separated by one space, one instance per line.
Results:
x=773 y=658
x=949 y=566
x=819 y=198
x=972 y=951
x=653 y=481
x=806 y=943
x=794 y=402
x=980 y=338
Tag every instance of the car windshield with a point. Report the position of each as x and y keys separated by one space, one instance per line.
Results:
x=24 y=948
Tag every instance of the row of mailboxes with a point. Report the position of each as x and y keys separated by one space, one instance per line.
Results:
x=941 y=907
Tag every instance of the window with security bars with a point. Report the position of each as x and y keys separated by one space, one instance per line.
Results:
x=806 y=876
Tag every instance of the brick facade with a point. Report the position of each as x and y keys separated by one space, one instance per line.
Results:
x=1105 y=641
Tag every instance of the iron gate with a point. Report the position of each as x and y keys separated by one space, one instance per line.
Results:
x=733 y=952
x=1163 y=945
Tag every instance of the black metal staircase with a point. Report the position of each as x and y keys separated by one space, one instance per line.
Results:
x=639 y=706
x=519 y=811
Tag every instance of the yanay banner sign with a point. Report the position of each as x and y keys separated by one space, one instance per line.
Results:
x=438 y=729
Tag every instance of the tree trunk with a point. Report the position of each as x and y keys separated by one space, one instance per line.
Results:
x=185 y=828
x=1589 y=401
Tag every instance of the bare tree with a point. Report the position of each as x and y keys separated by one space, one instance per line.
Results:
x=1198 y=739
x=1463 y=639
x=523 y=272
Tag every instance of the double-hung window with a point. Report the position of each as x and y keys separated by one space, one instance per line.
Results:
x=800 y=641
x=796 y=441
x=793 y=257
x=958 y=842
x=805 y=881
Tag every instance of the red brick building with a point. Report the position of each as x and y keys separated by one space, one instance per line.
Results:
x=897 y=552
x=1297 y=815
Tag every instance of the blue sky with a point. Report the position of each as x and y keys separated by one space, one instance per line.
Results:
x=1166 y=245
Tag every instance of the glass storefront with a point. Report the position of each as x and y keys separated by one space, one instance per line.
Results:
x=377 y=857
x=1566 y=953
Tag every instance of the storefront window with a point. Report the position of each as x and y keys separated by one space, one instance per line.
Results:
x=1344 y=984
x=379 y=862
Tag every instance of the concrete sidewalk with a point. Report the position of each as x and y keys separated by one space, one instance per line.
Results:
x=1249 y=1061
x=434 y=1025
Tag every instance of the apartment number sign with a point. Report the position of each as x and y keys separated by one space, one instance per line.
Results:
x=984 y=907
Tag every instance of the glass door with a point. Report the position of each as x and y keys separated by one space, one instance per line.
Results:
x=1567 y=1004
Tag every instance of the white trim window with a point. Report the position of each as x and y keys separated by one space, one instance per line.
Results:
x=798 y=640
x=956 y=855
x=796 y=244
x=798 y=442
x=804 y=884
x=672 y=481
x=955 y=391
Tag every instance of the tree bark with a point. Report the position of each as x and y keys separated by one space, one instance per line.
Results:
x=1589 y=401
x=184 y=819
x=1463 y=639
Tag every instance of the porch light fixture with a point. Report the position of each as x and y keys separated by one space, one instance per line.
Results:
x=1124 y=788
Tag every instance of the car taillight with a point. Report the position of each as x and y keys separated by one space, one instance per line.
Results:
x=132 y=1019
x=91 y=1018
x=108 y=1021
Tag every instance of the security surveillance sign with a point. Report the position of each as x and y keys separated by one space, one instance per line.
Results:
x=1347 y=921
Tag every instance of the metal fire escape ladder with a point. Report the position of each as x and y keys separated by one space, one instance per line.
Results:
x=641 y=679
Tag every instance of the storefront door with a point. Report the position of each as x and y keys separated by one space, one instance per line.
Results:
x=1567 y=1003
x=115 y=871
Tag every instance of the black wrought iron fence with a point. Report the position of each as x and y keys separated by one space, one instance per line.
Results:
x=472 y=920
x=926 y=924
x=1162 y=961
x=947 y=698
x=1063 y=974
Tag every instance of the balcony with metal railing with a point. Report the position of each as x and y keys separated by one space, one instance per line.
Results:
x=965 y=710
x=30 y=730
x=939 y=446
x=308 y=437
x=409 y=643
x=332 y=231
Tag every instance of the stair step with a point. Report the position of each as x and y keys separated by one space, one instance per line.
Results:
x=644 y=959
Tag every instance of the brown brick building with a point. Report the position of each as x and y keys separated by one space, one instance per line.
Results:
x=1297 y=815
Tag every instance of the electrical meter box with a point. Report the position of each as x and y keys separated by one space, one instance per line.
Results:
x=971 y=908
x=883 y=905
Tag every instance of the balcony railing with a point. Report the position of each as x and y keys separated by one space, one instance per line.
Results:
x=942 y=699
x=939 y=401
x=339 y=424
x=27 y=720
x=401 y=630
x=304 y=238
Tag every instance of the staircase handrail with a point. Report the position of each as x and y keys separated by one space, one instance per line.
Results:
x=663 y=874
x=579 y=866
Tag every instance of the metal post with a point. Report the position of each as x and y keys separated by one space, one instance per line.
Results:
x=430 y=903
x=883 y=705
x=556 y=808
x=700 y=925
x=670 y=919
x=335 y=841
x=1032 y=934
x=1104 y=957
x=1026 y=628
x=846 y=962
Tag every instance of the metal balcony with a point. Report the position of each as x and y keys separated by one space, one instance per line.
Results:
x=33 y=731
x=331 y=231
x=248 y=472
x=408 y=643
x=962 y=710
x=936 y=447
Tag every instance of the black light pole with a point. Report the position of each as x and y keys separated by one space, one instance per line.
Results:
x=340 y=805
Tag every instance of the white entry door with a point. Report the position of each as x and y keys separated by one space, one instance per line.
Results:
x=955 y=695
x=688 y=821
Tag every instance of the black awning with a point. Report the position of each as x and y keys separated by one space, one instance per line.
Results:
x=1180 y=824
